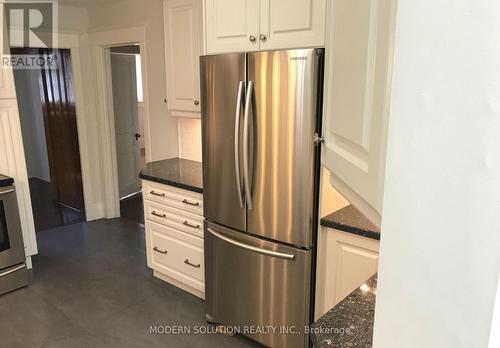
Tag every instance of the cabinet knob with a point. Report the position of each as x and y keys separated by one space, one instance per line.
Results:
x=196 y=102
x=263 y=37
x=252 y=38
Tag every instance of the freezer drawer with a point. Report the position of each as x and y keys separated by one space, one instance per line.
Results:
x=256 y=285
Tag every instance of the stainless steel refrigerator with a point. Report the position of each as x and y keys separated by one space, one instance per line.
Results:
x=261 y=117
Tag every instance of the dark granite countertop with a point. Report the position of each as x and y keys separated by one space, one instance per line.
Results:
x=178 y=172
x=350 y=322
x=350 y=219
x=5 y=181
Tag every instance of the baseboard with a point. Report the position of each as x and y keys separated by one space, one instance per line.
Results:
x=178 y=284
x=94 y=211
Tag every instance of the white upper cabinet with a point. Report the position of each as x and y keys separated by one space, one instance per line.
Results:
x=253 y=25
x=292 y=23
x=359 y=53
x=231 y=25
x=182 y=52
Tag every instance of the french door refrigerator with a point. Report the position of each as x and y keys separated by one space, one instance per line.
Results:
x=261 y=116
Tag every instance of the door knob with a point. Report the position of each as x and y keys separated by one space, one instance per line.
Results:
x=137 y=136
x=263 y=37
x=252 y=38
x=196 y=102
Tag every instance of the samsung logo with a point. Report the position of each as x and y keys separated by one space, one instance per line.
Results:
x=298 y=58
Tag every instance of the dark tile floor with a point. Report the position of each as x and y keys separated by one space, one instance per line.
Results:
x=91 y=288
x=47 y=213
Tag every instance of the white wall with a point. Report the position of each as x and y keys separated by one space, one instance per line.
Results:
x=331 y=199
x=32 y=125
x=190 y=138
x=440 y=247
x=132 y=13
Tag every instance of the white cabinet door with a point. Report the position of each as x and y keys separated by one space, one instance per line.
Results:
x=231 y=25
x=344 y=262
x=182 y=51
x=292 y=23
x=357 y=95
x=13 y=164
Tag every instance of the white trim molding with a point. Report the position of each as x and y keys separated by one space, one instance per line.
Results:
x=101 y=42
x=13 y=164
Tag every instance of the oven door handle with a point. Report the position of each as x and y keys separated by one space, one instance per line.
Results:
x=12 y=270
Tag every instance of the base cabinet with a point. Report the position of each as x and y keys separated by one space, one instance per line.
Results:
x=344 y=262
x=174 y=236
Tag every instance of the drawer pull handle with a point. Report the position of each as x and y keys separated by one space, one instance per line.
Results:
x=186 y=261
x=160 y=251
x=154 y=193
x=185 y=223
x=185 y=201
x=158 y=214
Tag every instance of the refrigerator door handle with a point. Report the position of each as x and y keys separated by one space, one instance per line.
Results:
x=237 y=142
x=251 y=247
x=246 y=176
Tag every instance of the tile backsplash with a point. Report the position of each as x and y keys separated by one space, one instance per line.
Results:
x=189 y=130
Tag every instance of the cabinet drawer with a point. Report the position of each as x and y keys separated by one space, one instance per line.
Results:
x=173 y=197
x=176 y=254
x=174 y=218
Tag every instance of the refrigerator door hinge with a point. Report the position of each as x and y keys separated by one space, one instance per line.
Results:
x=318 y=140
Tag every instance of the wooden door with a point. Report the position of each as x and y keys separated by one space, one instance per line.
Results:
x=232 y=25
x=59 y=113
x=182 y=51
x=125 y=109
x=357 y=96
x=292 y=24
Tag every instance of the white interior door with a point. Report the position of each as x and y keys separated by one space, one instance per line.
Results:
x=125 y=107
x=357 y=96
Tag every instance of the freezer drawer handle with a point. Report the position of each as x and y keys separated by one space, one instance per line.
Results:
x=187 y=262
x=157 y=194
x=160 y=251
x=12 y=270
x=158 y=214
x=185 y=201
x=251 y=247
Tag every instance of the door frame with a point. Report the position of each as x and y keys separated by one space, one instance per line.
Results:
x=101 y=42
x=71 y=40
